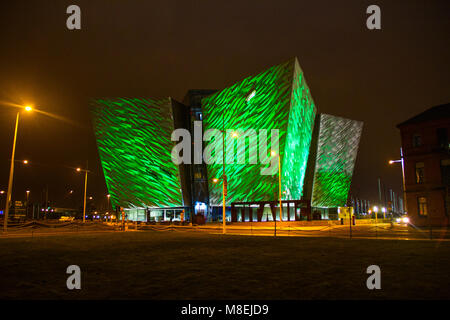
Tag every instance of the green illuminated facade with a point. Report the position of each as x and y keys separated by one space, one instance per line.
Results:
x=277 y=98
x=134 y=145
x=335 y=156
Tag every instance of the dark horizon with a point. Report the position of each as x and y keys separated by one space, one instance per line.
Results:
x=381 y=77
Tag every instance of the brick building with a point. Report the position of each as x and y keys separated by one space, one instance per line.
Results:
x=425 y=143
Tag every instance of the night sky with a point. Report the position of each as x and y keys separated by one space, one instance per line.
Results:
x=163 y=48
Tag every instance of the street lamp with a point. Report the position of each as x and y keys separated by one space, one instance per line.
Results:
x=85 y=189
x=224 y=176
x=402 y=161
x=11 y=171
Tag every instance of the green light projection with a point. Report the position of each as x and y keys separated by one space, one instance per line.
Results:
x=277 y=98
x=299 y=134
x=337 y=148
x=133 y=140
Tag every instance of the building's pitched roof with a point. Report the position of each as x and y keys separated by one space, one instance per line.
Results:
x=437 y=112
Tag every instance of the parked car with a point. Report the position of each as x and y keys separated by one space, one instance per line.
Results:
x=402 y=220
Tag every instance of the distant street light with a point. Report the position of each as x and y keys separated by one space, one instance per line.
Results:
x=85 y=190
x=402 y=161
x=11 y=171
x=273 y=153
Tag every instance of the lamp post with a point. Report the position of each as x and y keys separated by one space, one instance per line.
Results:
x=402 y=161
x=279 y=188
x=224 y=187
x=279 y=183
x=11 y=172
x=28 y=195
x=224 y=178
x=375 y=209
x=108 y=215
x=85 y=190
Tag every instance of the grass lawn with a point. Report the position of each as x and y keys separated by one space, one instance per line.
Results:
x=189 y=265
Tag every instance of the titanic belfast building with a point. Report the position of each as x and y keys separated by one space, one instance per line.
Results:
x=316 y=152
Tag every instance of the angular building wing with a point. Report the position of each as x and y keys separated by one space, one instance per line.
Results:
x=134 y=144
x=335 y=155
x=277 y=98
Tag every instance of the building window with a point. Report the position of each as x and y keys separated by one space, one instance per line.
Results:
x=442 y=137
x=420 y=166
x=445 y=172
x=417 y=140
x=198 y=175
x=422 y=206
